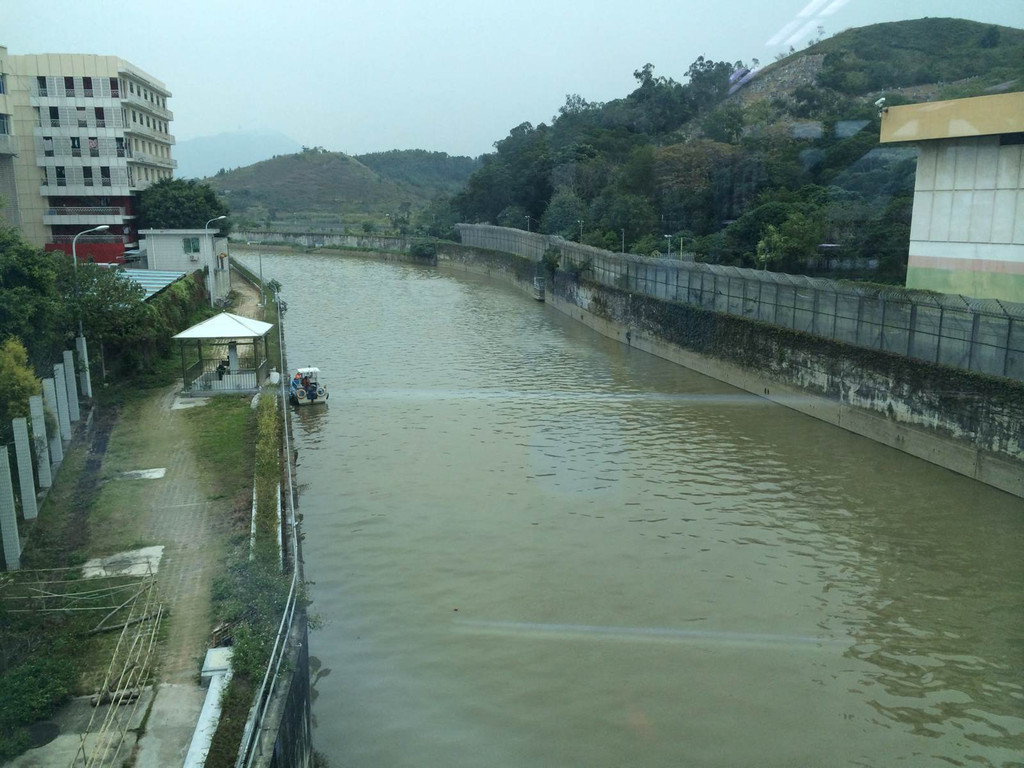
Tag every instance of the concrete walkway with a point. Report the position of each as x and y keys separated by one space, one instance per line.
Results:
x=191 y=527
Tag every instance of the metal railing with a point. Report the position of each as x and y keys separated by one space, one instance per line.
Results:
x=89 y=239
x=85 y=211
x=982 y=335
x=247 y=751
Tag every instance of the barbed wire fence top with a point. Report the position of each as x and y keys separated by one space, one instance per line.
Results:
x=981 y=335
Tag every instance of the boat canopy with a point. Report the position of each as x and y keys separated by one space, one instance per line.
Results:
x=308 y=371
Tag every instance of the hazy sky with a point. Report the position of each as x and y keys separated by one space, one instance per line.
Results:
x=453 y=76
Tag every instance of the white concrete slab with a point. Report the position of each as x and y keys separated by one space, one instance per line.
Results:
x=145 y=474
x=181 y=403
x=136 y=562
x=172 y=721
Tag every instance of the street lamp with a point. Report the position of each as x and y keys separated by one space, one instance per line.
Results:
x=668 y=239
x=623 y=240
x=83 y=352
x=206 y=237
x=580 y=222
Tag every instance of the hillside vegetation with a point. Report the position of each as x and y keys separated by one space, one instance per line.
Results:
x=775 y=181
x=315 y=187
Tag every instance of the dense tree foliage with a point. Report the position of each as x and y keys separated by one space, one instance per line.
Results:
x=180 y=204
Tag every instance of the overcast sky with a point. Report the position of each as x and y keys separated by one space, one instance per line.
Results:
x=452 y=76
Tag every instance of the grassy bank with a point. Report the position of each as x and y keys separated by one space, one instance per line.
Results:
x=251 y=596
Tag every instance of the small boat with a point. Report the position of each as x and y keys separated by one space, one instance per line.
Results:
x=306 y=389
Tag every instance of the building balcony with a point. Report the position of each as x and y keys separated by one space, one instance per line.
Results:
x=8 y=145
x=149 y=106
x=85 y=239
x=151 y=133
x=72 y=188
x=146 y=157
x=93 y=215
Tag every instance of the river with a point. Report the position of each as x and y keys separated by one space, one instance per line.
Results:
x=534 y=546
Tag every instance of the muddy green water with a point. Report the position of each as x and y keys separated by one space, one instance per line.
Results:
x=533 y=546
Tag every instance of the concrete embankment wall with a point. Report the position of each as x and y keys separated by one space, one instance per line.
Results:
x=312 y=240
x=966 y=422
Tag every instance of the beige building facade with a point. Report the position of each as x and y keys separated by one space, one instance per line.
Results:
x=967 y=231
x=80 y=136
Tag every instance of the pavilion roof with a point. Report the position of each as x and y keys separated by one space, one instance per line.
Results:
x=227 y=326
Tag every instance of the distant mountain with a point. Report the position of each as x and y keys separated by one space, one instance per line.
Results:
x=205 y=155
x=332 y=188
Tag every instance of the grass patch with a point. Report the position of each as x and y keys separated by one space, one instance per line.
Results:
x=218 y=433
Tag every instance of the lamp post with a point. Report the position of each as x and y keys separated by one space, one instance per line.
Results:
x=580 y=222
x=83 y=351
x=668 y=239
x=623 y=240
x=206 y=236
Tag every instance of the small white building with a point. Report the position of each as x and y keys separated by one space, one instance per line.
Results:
x=186 y=250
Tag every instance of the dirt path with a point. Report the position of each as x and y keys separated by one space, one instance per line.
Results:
x=249 y=297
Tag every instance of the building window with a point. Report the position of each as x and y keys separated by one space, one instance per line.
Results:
x=54 y=117
x=69 y=86
x=120 y=146
x=76 y=146
x=62 y=180
x=94 y=147
x=87 y=87
x=131 y=86
x=82 y=123
x=135 y=117
x=115 y=88
x=48 y=146
x=3 y=83
x=101 y=120
x=41 y=86
x=87 y=175
x=190 y=244
x=5 y=125
x=105 y=176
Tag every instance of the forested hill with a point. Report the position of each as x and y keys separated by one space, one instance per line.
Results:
x=419 y=168
x=763 y=176
x=315 y=186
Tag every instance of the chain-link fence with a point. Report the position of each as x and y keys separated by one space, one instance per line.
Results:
x=983 y=335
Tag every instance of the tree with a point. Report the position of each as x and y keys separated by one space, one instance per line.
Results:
x=110 y=304
x=17 y=384
x=724 y=124
x=29 y=306
x=771 y=247
x=563 y=214
x=180 y=204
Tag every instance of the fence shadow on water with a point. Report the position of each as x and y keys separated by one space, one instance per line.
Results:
x=982 y=335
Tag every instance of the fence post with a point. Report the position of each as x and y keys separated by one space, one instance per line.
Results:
x=938 y=342
x=881 y=331
x=912 y=329
x=1006 y=346
x=63 y=419
x=8 y=514
x=50 y=397
x=83 y=356
x=975 y=330
x=26 y=482
x=69 y=381
x=35 y=407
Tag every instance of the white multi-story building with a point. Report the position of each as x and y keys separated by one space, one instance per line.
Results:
x=80 y=136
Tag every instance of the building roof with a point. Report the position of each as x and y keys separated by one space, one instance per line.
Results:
x=959 y=118
x=152 y=280
x=227 y=326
